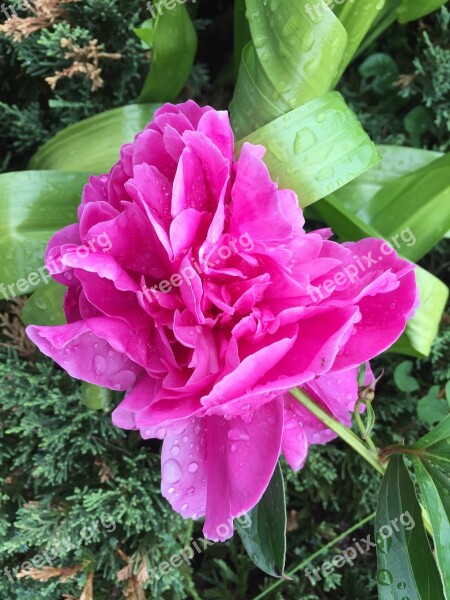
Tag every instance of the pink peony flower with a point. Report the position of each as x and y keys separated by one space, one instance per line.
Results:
x=193 y=286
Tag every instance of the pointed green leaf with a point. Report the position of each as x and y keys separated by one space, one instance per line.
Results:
x=406 y=567
x=93 y=144
x=265 y=537
x=316 y=148
x=411 y=10
x=174 y=45
x=45 y=307
x=33 y=205
x=435 y=438
x=434 y=484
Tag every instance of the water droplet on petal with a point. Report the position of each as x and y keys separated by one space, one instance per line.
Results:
x=99 y=364
x=160 y=433
x=171 y=471
x=193 y=467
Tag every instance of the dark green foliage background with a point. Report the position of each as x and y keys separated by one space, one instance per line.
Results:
x=51 y=446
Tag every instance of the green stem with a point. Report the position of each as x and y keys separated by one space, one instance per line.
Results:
x=315 y=555
x=341 y=430
x=362 y=429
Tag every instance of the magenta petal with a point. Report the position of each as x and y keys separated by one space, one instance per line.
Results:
x=142 y=395
x=183 y=468
x=241 y=458
x=84 y=355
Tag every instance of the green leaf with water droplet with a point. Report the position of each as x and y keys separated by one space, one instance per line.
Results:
x=93 y=144
x=45 y=307
x=265 y=538
x=316 y=148
x=294 y=56
x=406 y=567
x=434 y=484
x=173 y=42
x=33 y=205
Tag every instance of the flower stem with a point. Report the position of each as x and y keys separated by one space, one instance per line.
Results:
x=366 y=437
x=342 y=431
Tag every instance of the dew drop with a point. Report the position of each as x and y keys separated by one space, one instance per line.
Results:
x=385 y=577
x=160 y=433
x=99 y=364
x=171 y=471
x=193 y=467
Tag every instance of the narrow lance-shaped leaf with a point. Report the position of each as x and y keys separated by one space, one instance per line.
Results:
x=173 y=43
x=263 y=531
x=406 y=567
x=93 y=144
x=434 y=484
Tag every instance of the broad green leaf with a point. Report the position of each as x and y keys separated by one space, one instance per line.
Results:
x=95 y=397
x=431 y=408
x=411 y=10
x=395 y=162
x=173 y=43
x=409 y=207
x=434 y=484
x=292 y=60
x=93 y=144
x=419 y=202
x=45 y=307
x=316 y=148
x=406 y=567
x=264 y=537
x=403 y=379
x=33 y=205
